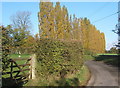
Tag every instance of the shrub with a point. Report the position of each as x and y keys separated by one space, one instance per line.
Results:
x=5 y=47
x=58 y=57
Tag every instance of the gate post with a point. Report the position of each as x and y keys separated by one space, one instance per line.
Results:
x=32 y=67
x=11 y=68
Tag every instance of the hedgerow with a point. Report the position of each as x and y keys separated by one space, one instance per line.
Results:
x=58 y=58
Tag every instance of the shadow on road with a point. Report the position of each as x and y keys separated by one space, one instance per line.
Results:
x=109 y=60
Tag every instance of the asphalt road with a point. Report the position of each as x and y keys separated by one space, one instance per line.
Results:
x=102 y=74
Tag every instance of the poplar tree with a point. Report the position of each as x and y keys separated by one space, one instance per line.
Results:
x=45 y=19
x=66 y=23
x=56 y=23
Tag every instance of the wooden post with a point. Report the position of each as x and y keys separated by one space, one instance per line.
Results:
x=11 y=69
x=30 y=71
x=33 y=65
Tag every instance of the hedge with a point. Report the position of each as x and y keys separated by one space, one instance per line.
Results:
x=56 y=57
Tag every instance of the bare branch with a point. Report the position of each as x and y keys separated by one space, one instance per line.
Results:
x=21 y=20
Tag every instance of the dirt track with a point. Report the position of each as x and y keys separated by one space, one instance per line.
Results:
x=102 y=74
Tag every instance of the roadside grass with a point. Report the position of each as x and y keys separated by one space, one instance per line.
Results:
x=88 y=57
x=77 y=79
x=83 y=75
x=107 y=58
x=110 y=59
x=107 y=54
x=103 y=57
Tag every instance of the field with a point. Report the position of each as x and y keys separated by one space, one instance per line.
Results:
x=13 y=56
x=22 y=56
x=6 y=78
x=19 y=62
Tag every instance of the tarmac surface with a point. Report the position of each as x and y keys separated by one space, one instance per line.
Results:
x=102 y=74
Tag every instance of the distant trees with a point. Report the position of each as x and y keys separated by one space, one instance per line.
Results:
x=18 y=34
x=16 y=42
x=21 y=20
x=55 y=23
x=21 y=25
x=113 y=50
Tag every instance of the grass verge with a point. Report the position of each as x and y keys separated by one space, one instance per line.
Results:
x=83 y=75
x=88 y=57
x=78 y=79
x=108 y=59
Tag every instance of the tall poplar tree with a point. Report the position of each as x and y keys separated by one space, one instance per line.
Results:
x=45 y=19
x=56 y=23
